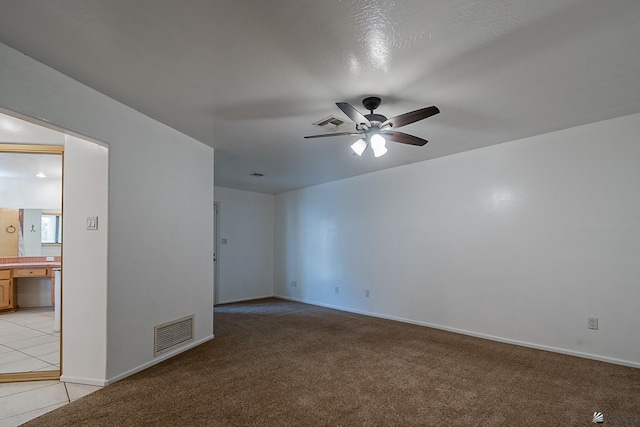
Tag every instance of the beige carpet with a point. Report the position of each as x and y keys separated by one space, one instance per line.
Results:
x=281 y=363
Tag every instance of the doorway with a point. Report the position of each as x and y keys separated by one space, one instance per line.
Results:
x=86 y=192
x=31 y=262
x=216 y=252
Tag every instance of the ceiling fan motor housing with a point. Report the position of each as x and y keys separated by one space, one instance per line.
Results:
x=375 y=119
x=371 y=103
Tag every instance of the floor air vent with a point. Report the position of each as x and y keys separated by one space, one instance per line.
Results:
x=171 y=334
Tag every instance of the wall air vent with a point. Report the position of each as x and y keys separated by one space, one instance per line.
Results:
x=330 y=122
x=172 y=334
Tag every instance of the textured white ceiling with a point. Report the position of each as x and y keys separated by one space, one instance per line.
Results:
x=250 y=77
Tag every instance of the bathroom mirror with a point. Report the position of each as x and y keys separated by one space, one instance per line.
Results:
x=30 y=204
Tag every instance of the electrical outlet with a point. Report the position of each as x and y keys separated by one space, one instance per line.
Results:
x=294 y=284
x=593 y=323
x=337 y=289
x=366 y=293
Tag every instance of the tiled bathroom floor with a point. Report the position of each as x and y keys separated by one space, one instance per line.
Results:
x=23 y=401
x=28 y=342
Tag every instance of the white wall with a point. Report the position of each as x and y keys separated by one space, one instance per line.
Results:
x=16 y=131
x=32 y=233
x=520 y=241
x=84 y=278
x=245 y=262
x=50 y=250
x=160 y=183
x=30 y=193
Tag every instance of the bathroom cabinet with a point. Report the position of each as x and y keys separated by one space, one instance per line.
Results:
x=9 y=279
x=6 y=290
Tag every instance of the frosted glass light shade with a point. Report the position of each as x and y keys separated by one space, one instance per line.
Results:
x=380 y=151
x=378 y=145
x=358 y=147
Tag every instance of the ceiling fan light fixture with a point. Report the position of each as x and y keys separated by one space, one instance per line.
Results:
x=373 y=127
x=359 y=146
x=378 y=145
x=380 y=152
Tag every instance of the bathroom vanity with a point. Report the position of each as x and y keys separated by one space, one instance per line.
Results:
x=10 y=275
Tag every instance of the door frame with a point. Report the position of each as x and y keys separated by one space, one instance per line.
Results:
x=216 y=253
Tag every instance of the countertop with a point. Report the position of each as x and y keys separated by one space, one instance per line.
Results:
x=47 y=264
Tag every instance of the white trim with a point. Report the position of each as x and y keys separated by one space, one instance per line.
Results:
x=476 y=334
x=248 y=299
x=81 y=380
x=216 y=250
x=157 y=360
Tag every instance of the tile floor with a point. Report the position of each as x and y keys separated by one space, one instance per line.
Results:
x=23 y=401
x=28 y=342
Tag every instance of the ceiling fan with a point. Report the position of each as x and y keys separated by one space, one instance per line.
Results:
x=375 y=129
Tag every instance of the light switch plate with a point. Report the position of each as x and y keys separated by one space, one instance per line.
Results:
x=92 y=223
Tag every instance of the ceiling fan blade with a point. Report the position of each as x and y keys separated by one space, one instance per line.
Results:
x=333 y=134
x=413 y=116
x=353 y=114
x=404 y=138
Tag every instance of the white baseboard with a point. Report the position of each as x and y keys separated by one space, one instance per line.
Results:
x=157 y=360
x=245 y=299
x=81 y=380
x=475 y=334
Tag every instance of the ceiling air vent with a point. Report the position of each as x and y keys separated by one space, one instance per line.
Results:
x=330 y=122
x=172 y=334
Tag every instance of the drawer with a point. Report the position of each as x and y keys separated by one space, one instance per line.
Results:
x=31 y=272
x=5 y=274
